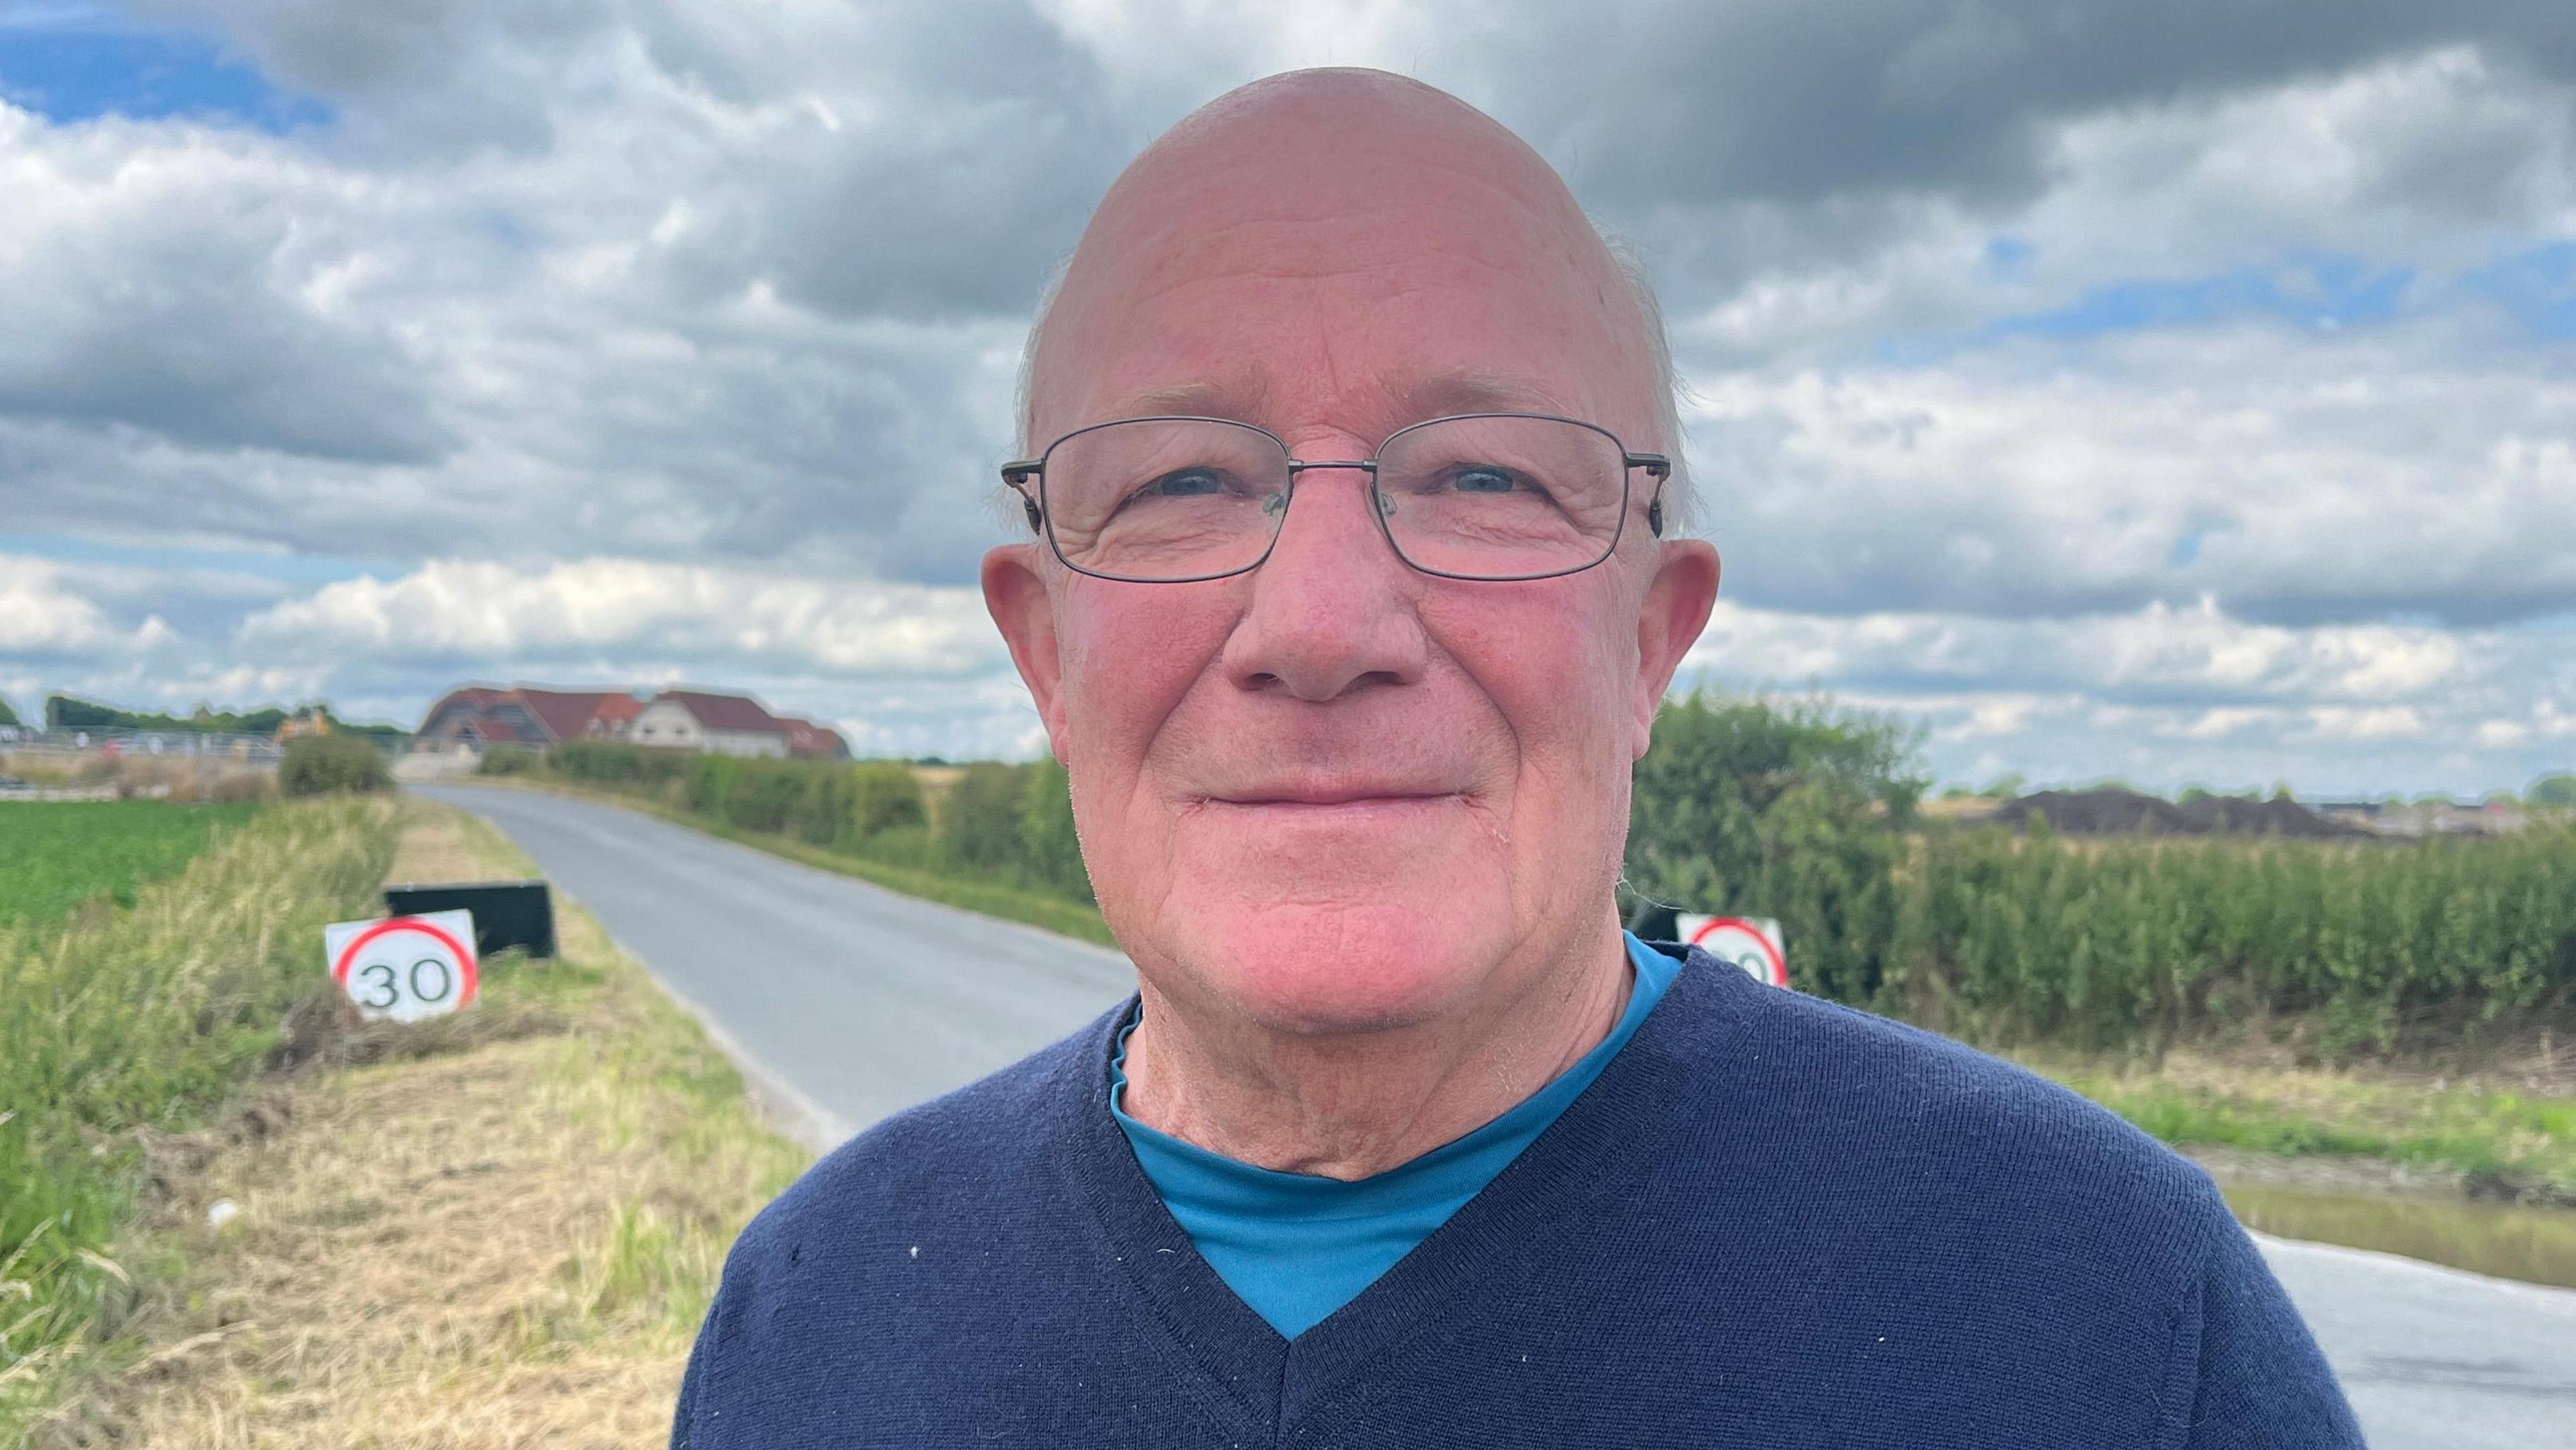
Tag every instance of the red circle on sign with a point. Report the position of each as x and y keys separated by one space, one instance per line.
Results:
x=1779 y=964
x=464 y=956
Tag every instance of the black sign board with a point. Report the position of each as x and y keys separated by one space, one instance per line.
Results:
x=506 y=913
x=1651 y=921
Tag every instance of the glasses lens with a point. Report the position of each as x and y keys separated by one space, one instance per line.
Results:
x=1502 y=497
x=1162 y=499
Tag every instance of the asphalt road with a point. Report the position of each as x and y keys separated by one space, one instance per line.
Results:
x=845 y=1002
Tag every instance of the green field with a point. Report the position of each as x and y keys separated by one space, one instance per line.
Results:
x=120 y=1026
x=54 y=855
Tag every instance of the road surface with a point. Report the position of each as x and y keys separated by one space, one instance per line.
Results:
x=845 y=1002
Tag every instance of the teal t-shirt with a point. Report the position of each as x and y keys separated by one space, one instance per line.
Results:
x=1297 y=1246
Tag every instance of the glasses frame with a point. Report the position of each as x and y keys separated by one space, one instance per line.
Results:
x=1017 y=473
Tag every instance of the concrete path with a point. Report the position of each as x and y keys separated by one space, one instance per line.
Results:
x=846 y=1002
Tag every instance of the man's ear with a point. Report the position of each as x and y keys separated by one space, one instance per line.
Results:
x=1015 y=593
x=1676 y=609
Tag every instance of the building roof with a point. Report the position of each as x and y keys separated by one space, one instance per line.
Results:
x=565 y=714
x=543 y=716
x=725 y=712
x=805 y=738
x=617 y=710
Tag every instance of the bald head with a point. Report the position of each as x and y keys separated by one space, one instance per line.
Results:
x=1266 y=251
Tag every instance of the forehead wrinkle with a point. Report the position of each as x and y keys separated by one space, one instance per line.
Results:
x=1406 y=397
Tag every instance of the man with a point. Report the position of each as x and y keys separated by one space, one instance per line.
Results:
x=1351 y=589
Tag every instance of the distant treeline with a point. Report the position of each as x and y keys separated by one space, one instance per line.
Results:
x=67 y=712
x=1806 y=813
x=1009 y=824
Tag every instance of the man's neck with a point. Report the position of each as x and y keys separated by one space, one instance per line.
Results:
x=1352 y=1105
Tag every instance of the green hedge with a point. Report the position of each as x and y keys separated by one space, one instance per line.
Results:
x=1007 y=824
x=332 y=765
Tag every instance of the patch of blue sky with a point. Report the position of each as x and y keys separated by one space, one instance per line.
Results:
x=295 y=570
x=2320 y=292
x=2008 y=258
x=76 y=63
x=2537 y=288
x=2325 y=292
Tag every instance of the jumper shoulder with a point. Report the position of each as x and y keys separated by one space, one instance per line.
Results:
x=1835 y=1085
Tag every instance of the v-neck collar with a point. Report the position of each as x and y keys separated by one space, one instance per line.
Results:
x=1275 y=1380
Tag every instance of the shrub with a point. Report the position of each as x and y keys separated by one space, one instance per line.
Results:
x=506 y=760
x=762 y=795
x=331 y=764
x=599 y=762
x=979 y=820
x=822 y=812
x=884 y=796
x=1047 y=840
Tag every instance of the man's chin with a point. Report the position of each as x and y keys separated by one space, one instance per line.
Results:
x=1341 y=967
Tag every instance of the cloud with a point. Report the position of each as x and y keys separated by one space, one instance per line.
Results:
x=2414 y=472
x=2153 y=380
x=462 y=611
x=44 y=617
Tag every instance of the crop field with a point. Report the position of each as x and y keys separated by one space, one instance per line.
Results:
x=54 y=855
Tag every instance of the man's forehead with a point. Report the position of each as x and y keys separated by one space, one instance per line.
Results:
x=1393 y=399
x=1346 y=250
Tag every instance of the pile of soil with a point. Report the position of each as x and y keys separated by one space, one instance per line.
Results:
x=2113 y=812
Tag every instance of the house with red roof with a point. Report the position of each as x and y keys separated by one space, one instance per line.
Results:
x=473 y=717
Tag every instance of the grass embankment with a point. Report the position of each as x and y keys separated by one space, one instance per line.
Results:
x=119 y=1024
x=55 y=855
x=499 y=1228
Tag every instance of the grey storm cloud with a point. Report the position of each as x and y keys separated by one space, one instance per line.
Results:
x=1682 y=103
x=711 y=281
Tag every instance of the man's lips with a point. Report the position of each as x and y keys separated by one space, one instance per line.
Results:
x=1332 y=798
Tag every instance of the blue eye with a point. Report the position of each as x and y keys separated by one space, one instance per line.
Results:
x=1186 y=483
x=1480 y=478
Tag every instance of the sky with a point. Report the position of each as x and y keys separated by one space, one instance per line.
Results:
x=2183 y=393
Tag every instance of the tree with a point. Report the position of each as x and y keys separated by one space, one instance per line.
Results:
x=2552 y=790
x=1795 y=810
x=1047 y=834
x=329 y=764
x=7 y=715
x=884 y=796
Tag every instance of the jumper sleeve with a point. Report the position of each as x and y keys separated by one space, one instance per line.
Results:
x=2263 y=1382
x=683 y=1416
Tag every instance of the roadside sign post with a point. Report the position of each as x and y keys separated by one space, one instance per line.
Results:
x=1753 y=943
x=405 y=968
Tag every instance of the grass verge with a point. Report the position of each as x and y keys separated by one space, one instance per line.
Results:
x=2479 y=1135
x=500 y=1231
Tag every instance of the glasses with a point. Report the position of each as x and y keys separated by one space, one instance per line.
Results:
x=1486 y=496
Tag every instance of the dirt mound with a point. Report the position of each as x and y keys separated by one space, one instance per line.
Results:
x=2119 y=812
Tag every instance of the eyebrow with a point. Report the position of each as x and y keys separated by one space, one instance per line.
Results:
x=1411 y=398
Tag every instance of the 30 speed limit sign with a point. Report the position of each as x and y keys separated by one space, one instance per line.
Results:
x=404 y=967
x=1751 y=942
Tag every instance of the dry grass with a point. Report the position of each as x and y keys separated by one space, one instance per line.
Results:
x=437 y=848
x=506 y=1245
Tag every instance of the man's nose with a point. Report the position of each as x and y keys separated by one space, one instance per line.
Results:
x=1332 y=607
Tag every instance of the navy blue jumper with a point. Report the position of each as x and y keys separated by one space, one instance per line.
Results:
x=1772 y=1221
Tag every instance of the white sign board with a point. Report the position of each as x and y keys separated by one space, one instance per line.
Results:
x=1751 y=942
x=404 y=967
